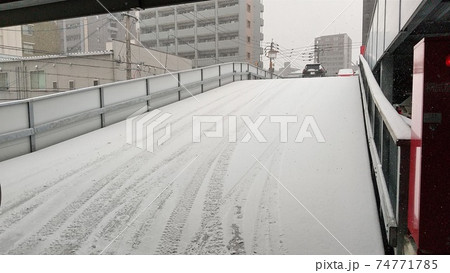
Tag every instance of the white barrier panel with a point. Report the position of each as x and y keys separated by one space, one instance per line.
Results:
x=186 y=78
x=13 y=117
x=162 y=98
x=123 y=113
x=128 y=90
x=60 y=134
x=116 y=93
x=261 y=72
x=163 y=82
x=208 y=73
x=226 y=69
x=51 y=108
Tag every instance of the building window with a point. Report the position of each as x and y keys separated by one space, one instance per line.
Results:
x=95 y=82
x=71 y=85
x=73 y=26
x=249 y=55
x=248 y=39
x=28 y=30
x=75 y=37
x=28 y=48
x=37 y=79
x=55 y=85
x=249 y=8
x=4 y=81
x=248 y=24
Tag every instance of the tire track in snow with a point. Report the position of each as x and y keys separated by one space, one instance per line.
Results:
x=209 y=240
x=57 y=222
x=170 y=239
x=268 y=237
x=32 y=199
x=117 y=199
x=136 y=198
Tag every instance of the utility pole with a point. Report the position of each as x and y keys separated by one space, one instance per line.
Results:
x=127 y=16
x=128 y=45
x=272 y=51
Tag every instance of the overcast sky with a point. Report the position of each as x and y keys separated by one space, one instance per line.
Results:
x=295 y=23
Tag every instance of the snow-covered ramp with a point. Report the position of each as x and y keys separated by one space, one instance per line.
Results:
x=301 y=189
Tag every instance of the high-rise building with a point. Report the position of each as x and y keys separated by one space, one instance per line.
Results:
x=88 y=34
x=333 y=52
x=207 y=32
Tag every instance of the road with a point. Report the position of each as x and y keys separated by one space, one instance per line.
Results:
x=97 y=194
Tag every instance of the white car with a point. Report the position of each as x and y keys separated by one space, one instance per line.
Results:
x=346 y=72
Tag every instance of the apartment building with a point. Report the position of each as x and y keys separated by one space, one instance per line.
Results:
x=207 y=32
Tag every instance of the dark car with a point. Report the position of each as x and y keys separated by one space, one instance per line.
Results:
x=314 y=70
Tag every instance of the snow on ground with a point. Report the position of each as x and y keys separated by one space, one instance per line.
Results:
x=96 y=194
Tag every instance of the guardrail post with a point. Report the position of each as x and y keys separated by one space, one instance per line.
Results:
x=201 y=78
x=102 y=104
x=257 y=72
x=31 y=125
x=234 y=72
x=249 y=77
x=220 y=74
x=179 y=86
x=147 y=91
x=241 y=71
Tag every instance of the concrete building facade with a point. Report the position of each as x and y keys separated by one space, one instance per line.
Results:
x=87 y=34
x=25 y=77
x=334 y=52
x=207 y=32
x=40 y=39
x=11 y=41
x=30 y=39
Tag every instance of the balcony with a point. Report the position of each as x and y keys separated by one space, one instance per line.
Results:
x=225 y=44
x=207 y=13
x=206 y=46
x=229 y=27
x=166 y=20
x=149 y=22
x=228 y=11
x=206 y=30
x=185 y=32
x=184 y=48
x=148 y=37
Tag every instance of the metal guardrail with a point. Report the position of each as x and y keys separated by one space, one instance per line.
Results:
x=389 y=145
x=35 y=123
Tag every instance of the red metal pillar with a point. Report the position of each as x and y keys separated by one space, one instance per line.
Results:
x=429 y=194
